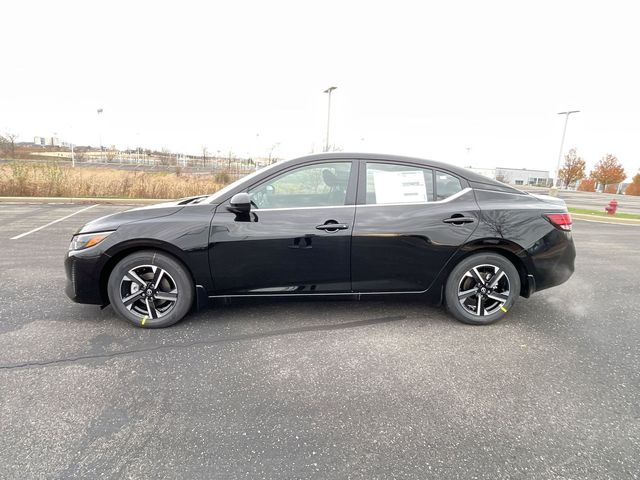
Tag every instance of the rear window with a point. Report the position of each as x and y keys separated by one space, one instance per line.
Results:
x=446 y=185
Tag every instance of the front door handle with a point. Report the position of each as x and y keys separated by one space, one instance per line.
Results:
x=332 y=227
x=459 y=220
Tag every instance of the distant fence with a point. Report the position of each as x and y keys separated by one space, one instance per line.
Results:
x=226 y=169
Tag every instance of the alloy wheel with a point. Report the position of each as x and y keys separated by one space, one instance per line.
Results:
x=483 y=290
x=148 y=291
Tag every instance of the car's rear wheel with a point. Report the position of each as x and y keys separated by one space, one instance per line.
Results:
x=150 y=289
x=482 y=288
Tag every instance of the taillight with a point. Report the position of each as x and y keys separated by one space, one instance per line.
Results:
x=560 y=220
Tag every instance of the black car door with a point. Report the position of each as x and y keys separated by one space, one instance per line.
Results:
x=295 y=240
x=410 y=219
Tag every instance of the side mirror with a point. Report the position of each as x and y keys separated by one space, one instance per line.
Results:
x=240 y=203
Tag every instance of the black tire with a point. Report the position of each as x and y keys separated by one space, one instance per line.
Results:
x=151 y=282
x=489 y=304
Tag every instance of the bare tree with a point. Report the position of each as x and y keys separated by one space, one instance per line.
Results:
x=80 y=155
x=165 y=156
x=230 y=157
x=111 y=155
x=4 y=144
x=10 y=139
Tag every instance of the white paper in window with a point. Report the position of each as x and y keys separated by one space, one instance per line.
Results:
x=399 y=187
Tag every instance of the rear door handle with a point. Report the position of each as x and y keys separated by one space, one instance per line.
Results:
x=332 y=227
x=459 y=220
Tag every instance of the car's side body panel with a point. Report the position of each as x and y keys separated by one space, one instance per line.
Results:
x=384 y=249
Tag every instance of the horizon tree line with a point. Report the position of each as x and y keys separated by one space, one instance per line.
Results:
x=608 y=171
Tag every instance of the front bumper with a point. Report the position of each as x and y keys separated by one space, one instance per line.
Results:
x=83 y=271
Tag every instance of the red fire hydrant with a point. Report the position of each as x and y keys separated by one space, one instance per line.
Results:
x=612 y=207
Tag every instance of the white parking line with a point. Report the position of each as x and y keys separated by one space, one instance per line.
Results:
x=51 y=223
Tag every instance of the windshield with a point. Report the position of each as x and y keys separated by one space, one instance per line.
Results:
x=223 y=192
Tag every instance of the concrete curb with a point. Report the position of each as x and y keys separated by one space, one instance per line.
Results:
x=105 y=201
x=610 y=220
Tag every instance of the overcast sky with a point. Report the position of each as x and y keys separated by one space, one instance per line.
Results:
x=467 y=82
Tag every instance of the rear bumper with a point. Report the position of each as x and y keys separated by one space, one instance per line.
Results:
x=553 y=259
x=83 y=277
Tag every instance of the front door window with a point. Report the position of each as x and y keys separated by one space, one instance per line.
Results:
x=316 y=185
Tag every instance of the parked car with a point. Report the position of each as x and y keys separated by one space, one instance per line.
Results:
x=328 y=224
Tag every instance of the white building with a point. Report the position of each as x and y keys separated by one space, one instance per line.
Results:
x=515 y=176
x=485 y=172
x=47 y=141
x=523 y=176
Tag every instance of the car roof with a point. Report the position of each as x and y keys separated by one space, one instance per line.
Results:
x=474 y=178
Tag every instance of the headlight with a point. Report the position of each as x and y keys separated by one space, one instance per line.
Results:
x=86 y=240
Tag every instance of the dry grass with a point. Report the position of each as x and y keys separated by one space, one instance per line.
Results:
x=51 y=180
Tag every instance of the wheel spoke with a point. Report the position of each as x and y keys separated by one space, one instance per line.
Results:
x=157 y=276
x=480 y=306
x=496 y=278
x=476 y=275
x=134 y=276
x=499 y=297
x=169 y=296
x=151 y=308
x=130 y=300
x=467 y=293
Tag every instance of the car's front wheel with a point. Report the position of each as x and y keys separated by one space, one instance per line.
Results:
x=150 y=289
x=482 y=288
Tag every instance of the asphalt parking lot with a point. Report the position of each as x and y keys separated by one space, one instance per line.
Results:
x=382 y=388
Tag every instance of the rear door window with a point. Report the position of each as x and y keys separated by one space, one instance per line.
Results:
x=391 y=184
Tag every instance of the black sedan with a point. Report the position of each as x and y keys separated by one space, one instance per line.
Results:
x=329 y=224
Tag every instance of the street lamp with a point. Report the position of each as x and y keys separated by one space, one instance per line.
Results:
x=328 y=90
x=100 y=131
x=271 y=151
x=70 y=136
x=564 y=131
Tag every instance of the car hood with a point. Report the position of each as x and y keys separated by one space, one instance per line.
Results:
x=113 y=221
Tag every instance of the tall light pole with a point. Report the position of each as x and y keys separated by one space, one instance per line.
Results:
x=275 y=145
x=100 y=131
x=326 y=143
x=564 y=132
x=70 y=136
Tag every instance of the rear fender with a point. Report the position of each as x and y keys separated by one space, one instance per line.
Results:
x=514 y=252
